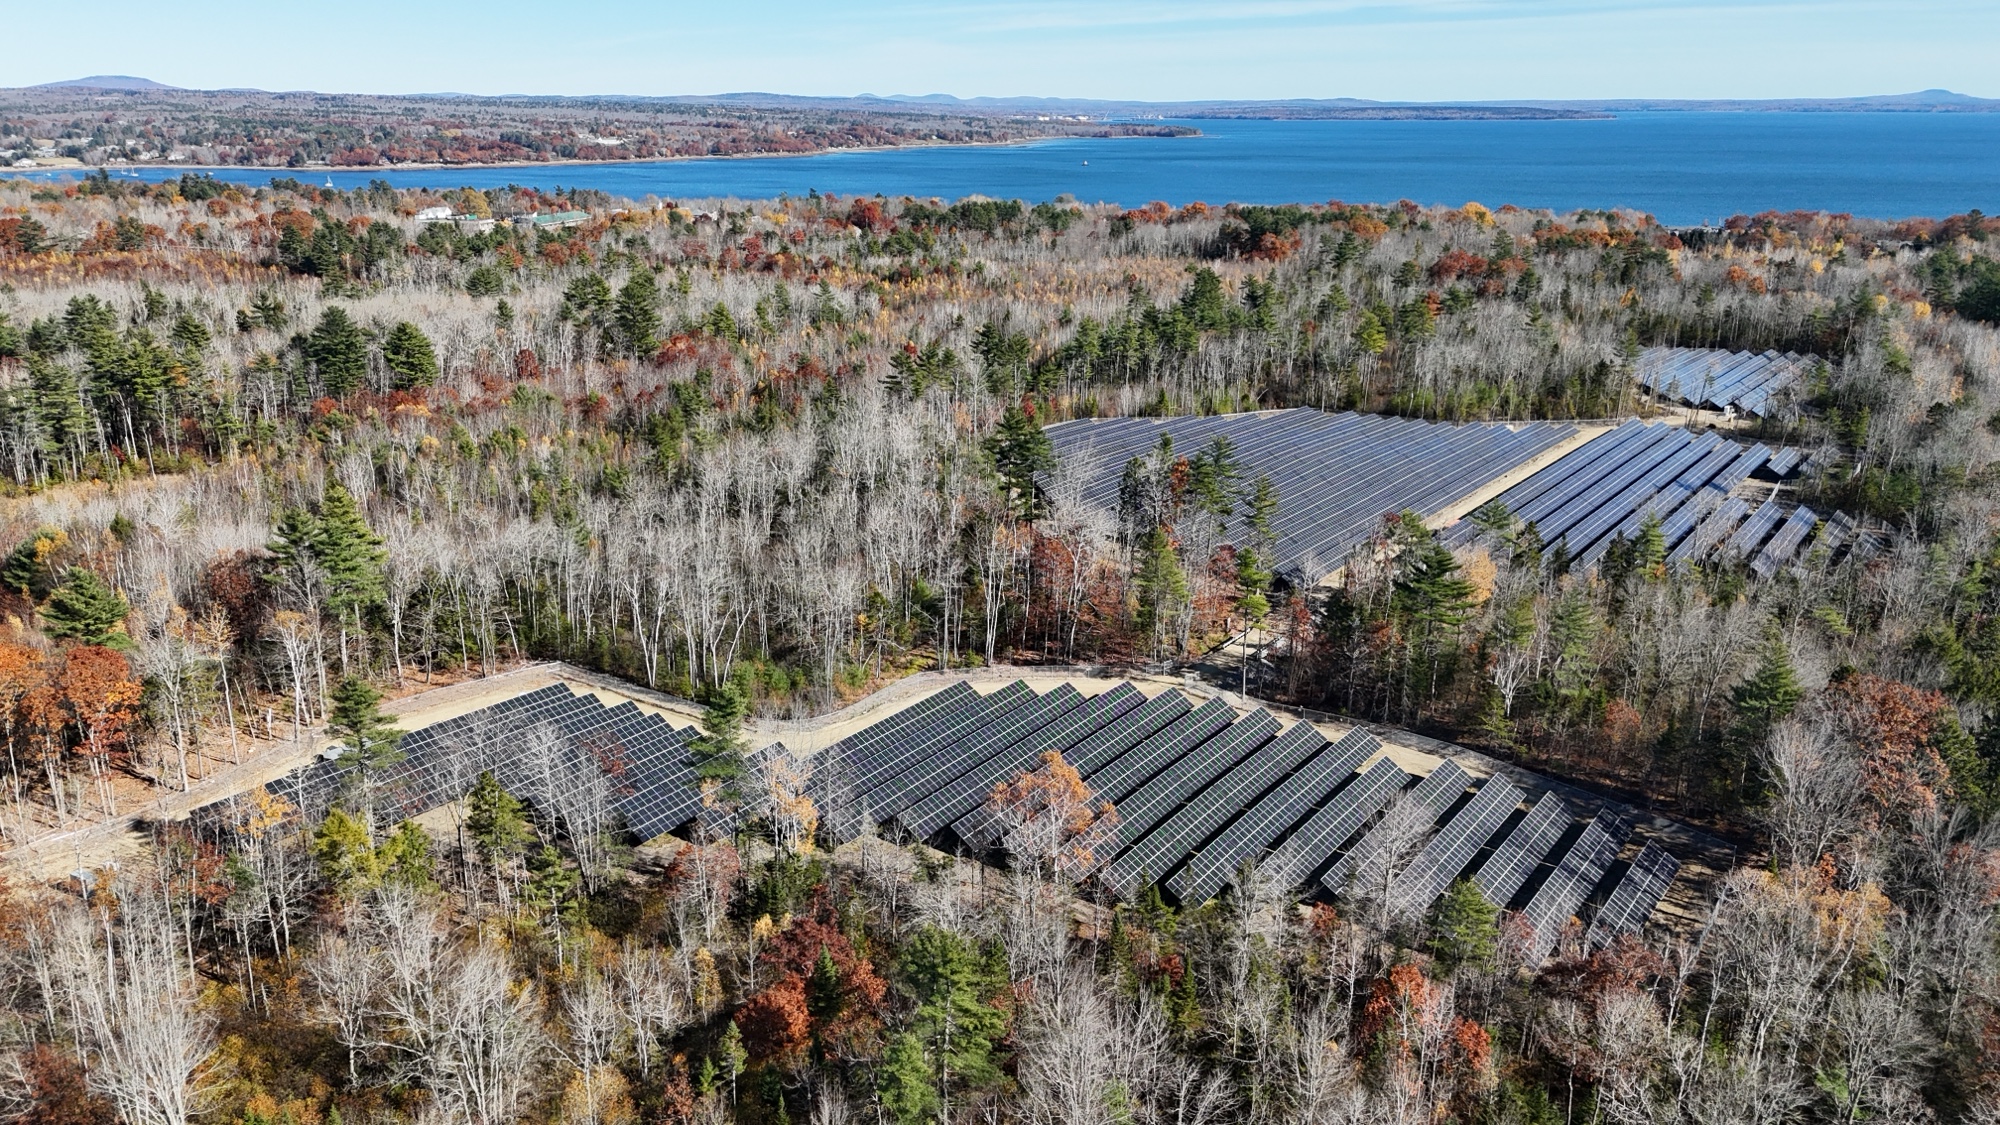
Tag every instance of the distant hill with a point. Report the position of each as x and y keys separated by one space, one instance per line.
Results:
x=1923 y=101
x=106 y=82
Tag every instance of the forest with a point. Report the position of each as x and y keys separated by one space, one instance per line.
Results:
x=273 y=454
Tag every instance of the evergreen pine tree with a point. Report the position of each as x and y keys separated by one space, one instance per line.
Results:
x=84 y=609
x=408 y=355
x=718 y=752
x=1767 y=697
x=733 y=1056
x=1162 y=587
x=1369 y=333
x=339 y=352
x=494 y=820
x=1020 y=449
x=954 y=1022
x=406 y=858
x=341 y=849
x=370 y=739
x=29 y=569
x=189 y=334
x=637 y=314
x=294 y=545
x=904 y=1082
x=350 y=553
x=1465 y=928
x=65 y=423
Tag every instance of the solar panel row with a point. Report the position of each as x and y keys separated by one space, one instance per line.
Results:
x=1606 y=490
x=1717 y=379
x=1579 y=869
x=1265 y=822
x=1433 y=795
x=1200 y=790
x=1336 y=474
x=567 y=755
x=1635 y=897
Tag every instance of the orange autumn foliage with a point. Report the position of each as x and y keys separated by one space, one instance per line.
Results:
x=775 y=1023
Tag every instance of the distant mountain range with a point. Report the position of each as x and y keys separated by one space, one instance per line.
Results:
x=1923 y=101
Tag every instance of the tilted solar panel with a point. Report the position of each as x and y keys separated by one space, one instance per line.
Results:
x=1263 y=823
x=1118 y=777
x=1576 y=874
x=964 y=809
x=1129 y=730
x=1458 y=842
x=1435 y=793
x=1320 y=837
x=921 y=817
x=1635 y=897
x=920 y=765
x=1215 y=801
x=1140 y=815
x=1517 y=855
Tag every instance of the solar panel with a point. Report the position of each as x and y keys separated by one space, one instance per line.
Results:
x=1128 y=731
x=923 y=764
x=1117 y=778
x=566 y=755
x=1215 y=801
x=1635 y=897
x=1321 y=835
x=1140 y=815
x=1785 y=543
x=1550 y=908
x=1264 y=822
x=1435 y=793
x=1337 y=473
x=965 y=809
x=860 y=756
x=1517 y=855
x=932 y=811
x=1458 y=842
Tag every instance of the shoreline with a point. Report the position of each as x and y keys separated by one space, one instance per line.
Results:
x=353 y=169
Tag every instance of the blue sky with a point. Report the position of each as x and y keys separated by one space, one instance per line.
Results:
x=1157 y=50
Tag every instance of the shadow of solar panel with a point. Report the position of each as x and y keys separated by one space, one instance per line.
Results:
x=1141 y=835
x=1435 y=793
x=1117 y=778
x=1635 y=897
x=970 y=820
x=1265 y=821
x=1517 y=855
x=922 y=763
x=1009 y=732
x=1576 y=874
x=1458 y=842
x=1316 y=841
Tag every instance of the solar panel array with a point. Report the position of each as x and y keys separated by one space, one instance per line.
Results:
x=1751 y=382
x=567 y=755
x=1336 y=474
x=1265 y=821
x=1604 y=492
x=1200 y=790
x=1458 y=841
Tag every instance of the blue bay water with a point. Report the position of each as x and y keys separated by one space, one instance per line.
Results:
x=1682 y=167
